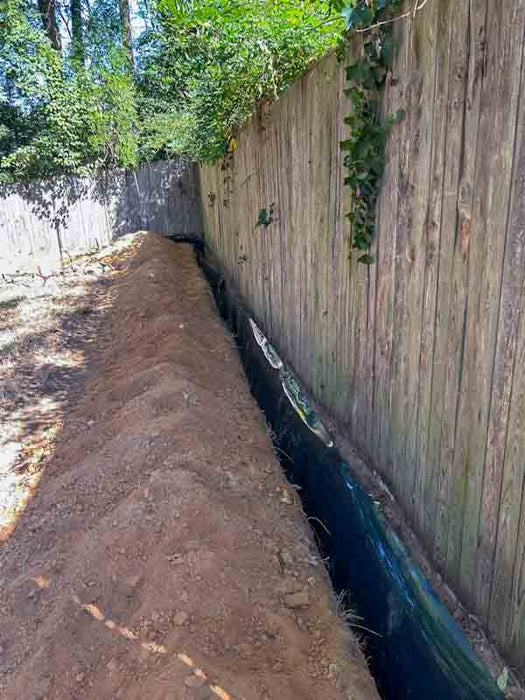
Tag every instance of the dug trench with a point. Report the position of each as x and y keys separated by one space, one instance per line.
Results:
x=414 y=645
x=164 y=554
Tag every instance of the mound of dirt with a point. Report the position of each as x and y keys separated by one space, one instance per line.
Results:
x=164 y=554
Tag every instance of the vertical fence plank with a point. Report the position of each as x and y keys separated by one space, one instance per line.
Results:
x=386 y=275
x=501 y=544
x=480 y=552
x=421 y=106
x=486 y=242
x=463 y=111
x=402 y=181
x=425 y=479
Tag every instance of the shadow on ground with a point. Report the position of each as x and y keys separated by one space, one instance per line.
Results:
x=48 y=328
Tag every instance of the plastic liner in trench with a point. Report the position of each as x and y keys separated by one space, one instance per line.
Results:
x=414 y=646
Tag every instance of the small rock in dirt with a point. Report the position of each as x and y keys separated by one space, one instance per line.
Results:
x=133 y=581
x=286 y=497
x=297 y=600
x=194 y=681
x=112 y=665
x=286 y=557
x=180 y=618
x=332 y=671
x=176 y=557
x=80 y=677
x=245 y=651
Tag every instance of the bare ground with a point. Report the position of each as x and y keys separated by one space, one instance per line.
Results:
x=47 y=322
x=163 y=554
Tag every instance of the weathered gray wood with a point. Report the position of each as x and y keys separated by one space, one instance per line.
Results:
x=462 y=114
x=497 y=128
x=421 y=358
x=428 y=408
x=386 y=262
x=402 y=181
x=509 y=57
x=501 y=544
x=421 y=49
x=73 y=214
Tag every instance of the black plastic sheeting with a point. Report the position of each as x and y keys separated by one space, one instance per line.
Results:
x=414 y=647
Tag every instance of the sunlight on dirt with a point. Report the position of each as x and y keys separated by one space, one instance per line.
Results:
x=46 y=324
x=133 y=636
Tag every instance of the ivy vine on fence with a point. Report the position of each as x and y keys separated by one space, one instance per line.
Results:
x=364 y=149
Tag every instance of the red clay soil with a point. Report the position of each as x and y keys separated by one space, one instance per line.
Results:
x=164 y=554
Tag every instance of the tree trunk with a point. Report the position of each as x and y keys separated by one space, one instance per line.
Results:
x=125 y=24
x=48 y=12
x=77 y=31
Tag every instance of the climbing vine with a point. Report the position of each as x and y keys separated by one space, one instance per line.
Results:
x=365 y=147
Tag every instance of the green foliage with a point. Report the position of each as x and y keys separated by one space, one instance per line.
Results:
x=217 y=58
x=503 y=679
x=201 y=68
x=359 y=14
x=266 y=216
x=55 y=115
x=365 y=147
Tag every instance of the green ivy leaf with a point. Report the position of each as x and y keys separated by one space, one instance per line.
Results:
x=357 y=17
x=386 y=53
x=503 y=679
x=395 y=118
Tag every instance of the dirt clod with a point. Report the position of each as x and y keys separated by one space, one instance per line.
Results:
x=194 y=681
x=180 y=618
x=297 y=600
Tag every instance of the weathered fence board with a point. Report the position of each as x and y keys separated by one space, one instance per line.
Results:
x=44 y=219
x=420 y=357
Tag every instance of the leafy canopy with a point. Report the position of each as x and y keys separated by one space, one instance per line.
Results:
x=199 y=69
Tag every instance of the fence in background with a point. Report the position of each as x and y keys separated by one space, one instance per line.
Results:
x=39 y=220
x=421 y=356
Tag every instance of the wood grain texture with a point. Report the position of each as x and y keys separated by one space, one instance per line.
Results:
x=429 y=408
x=422 y=357
x=72 y=214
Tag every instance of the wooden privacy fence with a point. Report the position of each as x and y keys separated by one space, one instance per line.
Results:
x=421 y=356
x=43 y=219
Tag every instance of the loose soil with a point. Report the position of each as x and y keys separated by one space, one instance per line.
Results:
x=163 y=554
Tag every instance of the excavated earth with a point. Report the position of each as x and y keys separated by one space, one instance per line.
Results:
x=163 y=554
